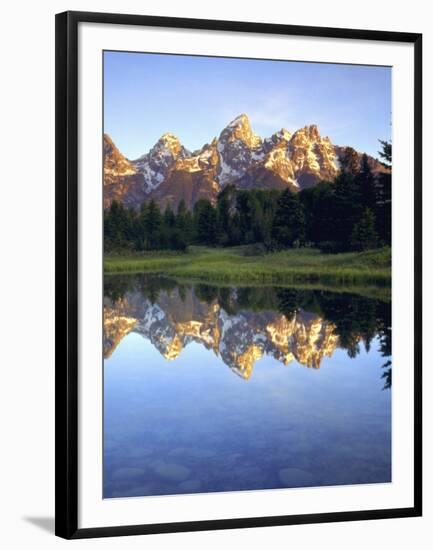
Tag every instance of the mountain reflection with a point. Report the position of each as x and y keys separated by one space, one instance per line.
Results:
x=241 y=325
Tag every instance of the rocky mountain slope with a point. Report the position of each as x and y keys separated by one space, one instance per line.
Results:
x=173 y=321
x=169 y=172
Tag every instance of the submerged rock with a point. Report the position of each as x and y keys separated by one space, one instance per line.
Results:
x=171 y=471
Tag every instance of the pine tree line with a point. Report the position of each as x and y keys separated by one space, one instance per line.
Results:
x=353 y=212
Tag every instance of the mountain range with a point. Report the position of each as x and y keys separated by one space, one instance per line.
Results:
x=169 y=172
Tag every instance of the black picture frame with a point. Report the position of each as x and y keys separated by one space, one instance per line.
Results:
x=66 y=385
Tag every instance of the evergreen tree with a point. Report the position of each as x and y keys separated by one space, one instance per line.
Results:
x=235 y=236
x=181 y=216
x=318 y=202
x=366 y=181
x=140 y=223
x=153 y=224
x=289 y=222
x=206 y=222
x=346 y=209
x=223 y=214
x=184 y=223
x=178 y=241
x=245 y=207
x=364 y=234
x=268 y=200
x=169 y=217
x=386 y=153
x=118 y=226
x=384 y=195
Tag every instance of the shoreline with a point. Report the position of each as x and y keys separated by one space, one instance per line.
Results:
x=295 y=267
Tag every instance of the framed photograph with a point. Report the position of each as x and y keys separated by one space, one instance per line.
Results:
x=238 y=274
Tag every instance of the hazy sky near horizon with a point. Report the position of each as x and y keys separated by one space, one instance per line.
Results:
x=147 y=95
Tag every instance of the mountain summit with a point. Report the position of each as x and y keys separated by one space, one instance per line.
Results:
x=169 y=172
x=239 y=129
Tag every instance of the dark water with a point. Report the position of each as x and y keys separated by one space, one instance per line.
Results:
x=227 y=389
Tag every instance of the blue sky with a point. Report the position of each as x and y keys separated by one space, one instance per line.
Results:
x=194 y=98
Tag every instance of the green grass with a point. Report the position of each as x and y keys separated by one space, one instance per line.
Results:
x=235 y=265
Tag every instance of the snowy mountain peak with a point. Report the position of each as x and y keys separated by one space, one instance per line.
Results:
x=238 y=148
x=168 y=142
x=155 y=165
x=282 y=136
x=168 y=138
x=307 y=133
x=239 y=120
x=239 y=129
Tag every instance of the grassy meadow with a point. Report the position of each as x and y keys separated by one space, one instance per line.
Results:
x=243 y=265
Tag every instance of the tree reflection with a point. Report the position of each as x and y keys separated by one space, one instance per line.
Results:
x=357 y=320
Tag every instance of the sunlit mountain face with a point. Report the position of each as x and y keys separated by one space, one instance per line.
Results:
x=242 y=325
x=169 y=172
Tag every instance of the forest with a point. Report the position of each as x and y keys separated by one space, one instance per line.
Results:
x=350 y=213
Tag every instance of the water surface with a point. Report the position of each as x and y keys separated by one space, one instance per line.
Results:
x=226 y=389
